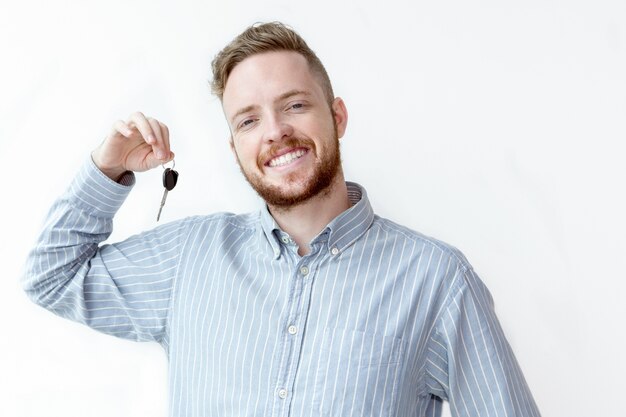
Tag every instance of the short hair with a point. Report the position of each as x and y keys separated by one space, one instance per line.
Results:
x=265 y=37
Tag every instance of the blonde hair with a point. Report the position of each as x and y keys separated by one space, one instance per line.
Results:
x=265 y=37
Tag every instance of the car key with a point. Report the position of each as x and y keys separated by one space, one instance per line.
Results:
x=170 y=178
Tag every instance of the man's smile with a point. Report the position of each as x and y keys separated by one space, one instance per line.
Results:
x=286 y=157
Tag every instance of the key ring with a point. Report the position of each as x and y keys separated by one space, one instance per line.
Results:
x=173 y=164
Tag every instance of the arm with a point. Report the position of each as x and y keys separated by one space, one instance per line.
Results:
x=123 y=288
x=470 y=363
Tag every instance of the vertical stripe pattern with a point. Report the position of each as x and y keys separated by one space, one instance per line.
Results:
x=377 y=320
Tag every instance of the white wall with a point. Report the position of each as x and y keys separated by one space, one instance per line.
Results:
x=497 y=126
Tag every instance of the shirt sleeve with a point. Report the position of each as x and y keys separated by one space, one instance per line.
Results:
x=122 y=289
x=469 y=361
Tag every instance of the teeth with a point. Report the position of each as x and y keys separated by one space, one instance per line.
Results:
x=286 y=158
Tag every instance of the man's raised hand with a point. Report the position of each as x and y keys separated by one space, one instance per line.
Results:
x=137 y=144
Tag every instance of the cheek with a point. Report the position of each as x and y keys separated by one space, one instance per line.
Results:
x=320 y=126
x=248 y=154
x=245 y=146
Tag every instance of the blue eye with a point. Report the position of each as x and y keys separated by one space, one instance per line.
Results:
x=297 y=106
x=246 y=123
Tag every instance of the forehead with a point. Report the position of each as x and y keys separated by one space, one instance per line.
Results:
x=263 y=77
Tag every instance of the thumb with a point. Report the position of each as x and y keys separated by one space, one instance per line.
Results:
x=152 y=161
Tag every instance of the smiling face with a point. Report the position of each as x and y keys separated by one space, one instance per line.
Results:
x=285 y=135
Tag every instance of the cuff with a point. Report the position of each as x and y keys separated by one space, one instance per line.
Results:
x=97 y=193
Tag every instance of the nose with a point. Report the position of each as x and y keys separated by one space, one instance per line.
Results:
x=276 y=128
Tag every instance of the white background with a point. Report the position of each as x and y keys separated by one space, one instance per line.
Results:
x=497 y=126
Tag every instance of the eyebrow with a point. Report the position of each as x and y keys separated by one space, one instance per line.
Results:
x=292 y=93
x=281 y=97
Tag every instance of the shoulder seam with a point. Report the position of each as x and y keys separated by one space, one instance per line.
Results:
x=389 y=225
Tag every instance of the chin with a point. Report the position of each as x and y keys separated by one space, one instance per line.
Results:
x=289 y=195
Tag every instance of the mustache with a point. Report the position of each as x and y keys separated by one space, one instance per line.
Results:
x=278 y=148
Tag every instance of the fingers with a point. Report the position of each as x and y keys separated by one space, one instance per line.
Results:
x=152 y=132
x=122 y=128
x=165 y=132
x=162 y=139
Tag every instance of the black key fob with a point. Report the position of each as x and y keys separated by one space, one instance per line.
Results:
x=170 y=178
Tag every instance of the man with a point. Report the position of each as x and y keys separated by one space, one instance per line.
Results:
x=312 y=306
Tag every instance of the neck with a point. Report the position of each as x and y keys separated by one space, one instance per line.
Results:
x=305 y=221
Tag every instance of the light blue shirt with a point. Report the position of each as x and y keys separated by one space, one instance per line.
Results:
x=377 y=320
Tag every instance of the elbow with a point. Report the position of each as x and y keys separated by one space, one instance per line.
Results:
x=30 y=284
x=40 y=285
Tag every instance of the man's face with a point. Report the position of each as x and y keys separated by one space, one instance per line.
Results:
x=284 y=134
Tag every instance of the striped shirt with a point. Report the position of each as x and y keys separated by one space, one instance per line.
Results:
x=377 y=320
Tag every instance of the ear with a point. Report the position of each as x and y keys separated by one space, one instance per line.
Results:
x=340 y=114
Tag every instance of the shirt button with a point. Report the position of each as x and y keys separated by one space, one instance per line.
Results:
x=285 y=239
x=292 y=329
x=304 y=270
x=282 y=393
x=334 y=251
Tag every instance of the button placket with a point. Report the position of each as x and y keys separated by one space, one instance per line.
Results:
x=293 y=334
x=297 y=315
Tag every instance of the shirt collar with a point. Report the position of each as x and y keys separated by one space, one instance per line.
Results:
x=342 y=231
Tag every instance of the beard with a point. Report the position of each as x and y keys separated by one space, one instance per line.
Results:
x=325 y=170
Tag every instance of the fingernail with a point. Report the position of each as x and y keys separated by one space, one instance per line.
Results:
x=160 y=154
x=151 y=139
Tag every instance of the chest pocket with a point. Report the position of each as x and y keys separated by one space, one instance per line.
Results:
x=358 y=373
